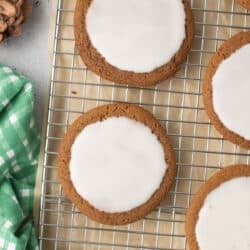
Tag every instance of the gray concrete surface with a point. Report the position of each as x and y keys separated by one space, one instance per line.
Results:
x=29 y=52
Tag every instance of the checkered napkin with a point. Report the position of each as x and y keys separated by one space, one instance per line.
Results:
x=19 y=149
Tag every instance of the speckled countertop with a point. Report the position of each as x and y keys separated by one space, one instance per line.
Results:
x=29 y=52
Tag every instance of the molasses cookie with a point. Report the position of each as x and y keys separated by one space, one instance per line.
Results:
x=218 y=217
x=116 y=164
x=136 y=42
x=244 y=3
x=226 y=89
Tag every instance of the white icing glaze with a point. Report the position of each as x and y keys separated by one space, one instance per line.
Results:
x=223 y=222
x=117 y=164
x=136 y=35
x=231 y=88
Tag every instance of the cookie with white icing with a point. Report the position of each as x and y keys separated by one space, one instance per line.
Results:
x=136 y=42
x=116 y=164
x=219 y=214
x=244 y=3
x=226 y=89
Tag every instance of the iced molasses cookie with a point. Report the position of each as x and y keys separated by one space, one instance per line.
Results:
x=116 y=163
x=218 y=217
x=136 y=42
x=244 y=3
x=226 y=89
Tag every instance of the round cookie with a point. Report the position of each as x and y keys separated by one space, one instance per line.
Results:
x=244 y=3
x=116 y=163
x=226 y=89
x=135 y=42
x=218 y=217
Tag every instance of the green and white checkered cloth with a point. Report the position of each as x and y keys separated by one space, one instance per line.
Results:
x=19 y=149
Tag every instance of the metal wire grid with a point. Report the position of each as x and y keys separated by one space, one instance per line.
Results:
x=177 y=103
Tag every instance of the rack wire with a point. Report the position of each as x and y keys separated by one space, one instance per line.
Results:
x=176 y=103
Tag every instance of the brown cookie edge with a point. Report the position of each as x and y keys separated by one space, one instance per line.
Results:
x=226 y=49
x=244 y=3
x=197 y=202
x=97 y=114
x=97 y=63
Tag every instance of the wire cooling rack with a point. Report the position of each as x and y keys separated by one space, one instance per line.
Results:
x=177 y=103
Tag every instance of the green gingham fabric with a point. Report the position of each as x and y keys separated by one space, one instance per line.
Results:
x=19 y=149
